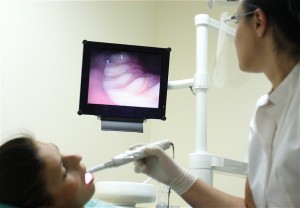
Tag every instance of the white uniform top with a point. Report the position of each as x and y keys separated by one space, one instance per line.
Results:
x=274 y=160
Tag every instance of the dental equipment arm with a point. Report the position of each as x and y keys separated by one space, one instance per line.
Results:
x=159 y=166
x=130 y=156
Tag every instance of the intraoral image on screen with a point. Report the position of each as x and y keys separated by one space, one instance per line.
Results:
x=124 y=81
x=124 y=78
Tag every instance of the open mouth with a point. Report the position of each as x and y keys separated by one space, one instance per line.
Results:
x=89 y=178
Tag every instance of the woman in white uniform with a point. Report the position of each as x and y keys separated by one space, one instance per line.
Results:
x=267 y=41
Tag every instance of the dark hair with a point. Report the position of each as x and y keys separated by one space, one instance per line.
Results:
x=284 y=15
x=21 y=180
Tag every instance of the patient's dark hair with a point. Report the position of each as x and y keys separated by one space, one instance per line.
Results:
x=21 y=180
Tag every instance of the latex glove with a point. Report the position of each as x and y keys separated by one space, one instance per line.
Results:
x=164 y=169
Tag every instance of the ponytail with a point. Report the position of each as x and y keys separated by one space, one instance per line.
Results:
x=284 y=15
x=294 y=7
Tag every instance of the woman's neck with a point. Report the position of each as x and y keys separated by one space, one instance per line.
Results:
x=278 y=69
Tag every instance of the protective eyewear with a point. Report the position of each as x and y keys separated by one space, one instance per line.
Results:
x=236 y=18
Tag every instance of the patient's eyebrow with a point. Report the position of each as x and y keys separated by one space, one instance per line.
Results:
x=61 y=164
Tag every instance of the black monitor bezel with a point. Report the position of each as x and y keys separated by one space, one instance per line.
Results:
x=123 y=112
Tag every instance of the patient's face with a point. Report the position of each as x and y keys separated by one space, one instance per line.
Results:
x=65 y=177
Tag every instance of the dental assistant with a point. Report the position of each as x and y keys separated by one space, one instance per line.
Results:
x=267 y=41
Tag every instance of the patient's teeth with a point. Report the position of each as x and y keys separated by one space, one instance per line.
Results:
x=112 y=70
x=126 y=83
x=136 y=85
x=117 y=82
x=118 y=58
x=140 y=91
x=117 y=64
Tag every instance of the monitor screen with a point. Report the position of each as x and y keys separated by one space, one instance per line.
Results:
x=124 y=81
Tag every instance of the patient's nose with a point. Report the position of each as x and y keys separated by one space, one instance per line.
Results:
x=76 y=157
x=74 y=160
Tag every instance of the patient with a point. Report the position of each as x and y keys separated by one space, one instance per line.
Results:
x=35 y=174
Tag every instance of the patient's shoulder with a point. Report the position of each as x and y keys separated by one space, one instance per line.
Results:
x=6 y=206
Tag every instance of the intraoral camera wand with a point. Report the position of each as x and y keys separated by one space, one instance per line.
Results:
x=129 y=156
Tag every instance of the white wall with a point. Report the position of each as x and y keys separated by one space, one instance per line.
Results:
x=41 y=53
x=41 y=44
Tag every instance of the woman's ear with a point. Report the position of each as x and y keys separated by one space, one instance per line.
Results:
x=260 y=22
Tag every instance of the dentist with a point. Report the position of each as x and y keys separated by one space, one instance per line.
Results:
x=267 y=41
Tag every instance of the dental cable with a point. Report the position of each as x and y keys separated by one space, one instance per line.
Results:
x=169 y=191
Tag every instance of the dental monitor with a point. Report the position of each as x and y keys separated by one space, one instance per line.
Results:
x=121 y=81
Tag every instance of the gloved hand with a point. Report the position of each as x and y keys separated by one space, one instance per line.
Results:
x=164 y=169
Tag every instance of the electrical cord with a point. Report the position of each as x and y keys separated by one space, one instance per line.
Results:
x=169 y=191
x=169 y=188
